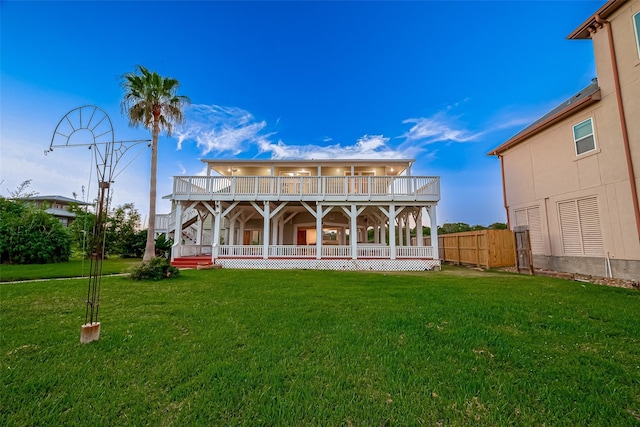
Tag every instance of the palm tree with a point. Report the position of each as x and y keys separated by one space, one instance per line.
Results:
x=150 y=100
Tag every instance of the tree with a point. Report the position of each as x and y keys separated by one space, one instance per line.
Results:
x=81 y=229
x=456 y=227
x=21 y=191
x=122 y=237
x=29 y=235
x=498 y=226
x=151 y=100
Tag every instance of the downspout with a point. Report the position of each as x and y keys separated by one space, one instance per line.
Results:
x=623 y=123
x=504 y=191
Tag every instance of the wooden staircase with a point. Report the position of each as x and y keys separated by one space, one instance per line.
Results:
x=192 y=261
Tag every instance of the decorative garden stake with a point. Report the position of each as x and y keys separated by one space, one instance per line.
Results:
x=90 y=126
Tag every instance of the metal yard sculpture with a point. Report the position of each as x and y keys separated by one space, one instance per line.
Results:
x=90 y=126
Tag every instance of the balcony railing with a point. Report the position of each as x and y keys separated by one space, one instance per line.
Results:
x=306 y=188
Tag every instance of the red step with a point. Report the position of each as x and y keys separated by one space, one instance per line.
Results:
x=192 y=261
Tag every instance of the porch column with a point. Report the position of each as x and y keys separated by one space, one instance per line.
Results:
x=407 y=229
x=281 y=231
x=353 y=233
x=319 y=231
x=431 y=210
x=199 y=222
x=419 y=237
x=392 y=231
x=177 y=231
x=383 y=231
x=217 y=214
x=400 y=227
x=274 y=227
x=266 y=231
x=232 y=231
x=376 y=231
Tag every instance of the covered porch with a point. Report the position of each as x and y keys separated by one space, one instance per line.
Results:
x=299 y=235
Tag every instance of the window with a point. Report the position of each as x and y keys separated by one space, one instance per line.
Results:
x=583 y=137
x=580 y=227
x=636 y=25
x=531 y=217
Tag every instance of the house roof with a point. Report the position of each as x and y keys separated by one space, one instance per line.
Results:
x=225 y=166
x=587 y=96
x=60 y=213
x=59 y=199
x=587 y=27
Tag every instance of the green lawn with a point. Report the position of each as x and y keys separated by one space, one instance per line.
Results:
x=238 y=347
x=73 y=268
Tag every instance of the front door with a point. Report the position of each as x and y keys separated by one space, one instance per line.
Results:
x=302 y=237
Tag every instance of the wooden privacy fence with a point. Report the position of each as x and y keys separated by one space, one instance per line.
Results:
x=483 y=248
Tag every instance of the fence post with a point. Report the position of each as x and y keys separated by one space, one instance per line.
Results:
x=524 y=257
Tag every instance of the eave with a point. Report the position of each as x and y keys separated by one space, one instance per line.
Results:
x=591 y=25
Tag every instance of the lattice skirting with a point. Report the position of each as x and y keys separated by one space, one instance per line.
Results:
x=331 y=264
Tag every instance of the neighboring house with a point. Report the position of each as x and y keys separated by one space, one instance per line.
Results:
x=573 y=175
x=314 y=214
x=58 y=206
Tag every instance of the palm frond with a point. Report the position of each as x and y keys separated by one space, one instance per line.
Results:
x=147 y=94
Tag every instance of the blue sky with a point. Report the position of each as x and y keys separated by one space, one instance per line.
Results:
x=441 y=82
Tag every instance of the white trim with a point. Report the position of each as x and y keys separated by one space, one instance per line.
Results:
x=593 y=135
x=636 y=26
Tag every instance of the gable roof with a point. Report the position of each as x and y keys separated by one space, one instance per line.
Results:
x=59 y=199
x=587 y=96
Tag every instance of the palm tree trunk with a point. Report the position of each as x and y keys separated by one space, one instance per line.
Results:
x=150 y=248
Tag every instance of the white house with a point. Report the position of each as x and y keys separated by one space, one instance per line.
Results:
x=311 y=214
x=57 y=206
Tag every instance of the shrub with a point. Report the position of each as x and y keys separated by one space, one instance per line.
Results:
x=154 y=269
x=29 y=235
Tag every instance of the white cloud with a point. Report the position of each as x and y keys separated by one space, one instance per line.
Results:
x=437 y=128
x=220 y=129
x=232 y=130
x=367 y=147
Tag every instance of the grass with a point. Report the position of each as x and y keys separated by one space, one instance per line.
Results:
x=238 y=347
x=73 y=268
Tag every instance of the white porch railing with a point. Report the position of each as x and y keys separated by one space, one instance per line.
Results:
x=162 y=223
x=290 y=251
x=305 y=187
x=193 y=250
x=336 y=251
x=240 y=251
x=165 y=223
x=414 y=252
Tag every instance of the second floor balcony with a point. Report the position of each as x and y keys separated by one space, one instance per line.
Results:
x=307 y=188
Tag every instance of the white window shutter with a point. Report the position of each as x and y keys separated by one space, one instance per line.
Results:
x=535 y=230
x=590 y=227
x=570 y=228
x=580 y=227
